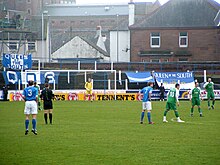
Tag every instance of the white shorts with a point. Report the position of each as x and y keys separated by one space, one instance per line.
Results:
x=146 y=105
x=30 y=107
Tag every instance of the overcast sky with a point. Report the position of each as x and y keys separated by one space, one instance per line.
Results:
x=118 y=1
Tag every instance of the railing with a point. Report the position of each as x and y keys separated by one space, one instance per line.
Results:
x=211 y=67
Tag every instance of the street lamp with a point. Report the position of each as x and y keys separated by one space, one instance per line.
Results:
x=42 y=46
x=49 y=38
x=117 y=40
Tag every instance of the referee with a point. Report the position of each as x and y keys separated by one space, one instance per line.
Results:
x=47 y=96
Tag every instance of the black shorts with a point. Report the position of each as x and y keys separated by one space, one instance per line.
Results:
x=48 y=105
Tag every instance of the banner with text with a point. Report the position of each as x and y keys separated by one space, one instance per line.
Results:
x=14 y=77
x=169 y=79
x=17 y=61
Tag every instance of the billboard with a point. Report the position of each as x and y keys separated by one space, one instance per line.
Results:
x=79 y=95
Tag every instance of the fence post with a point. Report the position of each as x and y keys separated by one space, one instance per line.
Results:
x=78 y=65
x=109 y=84
x=68 y=77
x=126 y=84
x=112 y=67
x=204 y=75
x=119 y=76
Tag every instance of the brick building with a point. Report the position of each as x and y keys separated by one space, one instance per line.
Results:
x=179 y=31
x=31 y=7
x=62 y=20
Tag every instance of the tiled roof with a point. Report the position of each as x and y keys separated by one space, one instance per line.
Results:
x=88 y=36
x=182 y=13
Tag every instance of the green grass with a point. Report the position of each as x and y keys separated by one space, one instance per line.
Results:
x=108 y=132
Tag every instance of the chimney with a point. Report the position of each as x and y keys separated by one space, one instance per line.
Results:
x=100 y=43
x=131 y=7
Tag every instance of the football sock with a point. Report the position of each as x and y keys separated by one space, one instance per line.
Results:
x=208 y=103
x=213 y=102
x=149 y=116
x=34 y=123
x=26 y=124
x=50 y=117
x=45 y=118
x=176 y=113
x=165 y=113
x=200 y=111
x=192 y=109
x=142 y=116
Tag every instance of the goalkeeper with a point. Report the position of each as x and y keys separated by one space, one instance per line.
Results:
x=88 y=87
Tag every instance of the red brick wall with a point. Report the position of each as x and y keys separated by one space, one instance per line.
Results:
x=204 y=44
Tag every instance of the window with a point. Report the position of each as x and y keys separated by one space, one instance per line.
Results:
x=31 y=46
x=155 y=60
x=183 y=59
x=155 y=40
x=28 y=1
x=62 y=22
x=13 y=46
x=183 y=39
x=104 y=37
x=29 y=11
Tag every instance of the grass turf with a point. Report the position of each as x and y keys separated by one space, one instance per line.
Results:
x=108 y=132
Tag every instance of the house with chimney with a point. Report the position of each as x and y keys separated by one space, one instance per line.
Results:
x=61 y=29
x=103 y=27
x=178 y=31
x=120 y=34
x=87 y=47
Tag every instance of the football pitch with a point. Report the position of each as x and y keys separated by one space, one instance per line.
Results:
x=109 y=133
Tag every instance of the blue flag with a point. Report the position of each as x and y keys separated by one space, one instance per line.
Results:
x=17 y=61
x=139 y=77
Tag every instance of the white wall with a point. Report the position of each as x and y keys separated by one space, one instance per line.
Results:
x=78 y=48
x=42 y=57
x=123 y=43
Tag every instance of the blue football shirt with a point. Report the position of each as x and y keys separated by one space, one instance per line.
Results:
x=146 y=91
x=30 y=93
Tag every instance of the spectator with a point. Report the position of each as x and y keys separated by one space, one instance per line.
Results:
x=5 y=92
x=162 y=91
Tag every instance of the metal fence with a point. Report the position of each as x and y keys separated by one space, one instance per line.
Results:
x=212 y=70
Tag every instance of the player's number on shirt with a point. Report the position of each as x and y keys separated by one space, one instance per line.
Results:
x=172 y=94
x=29 y=92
